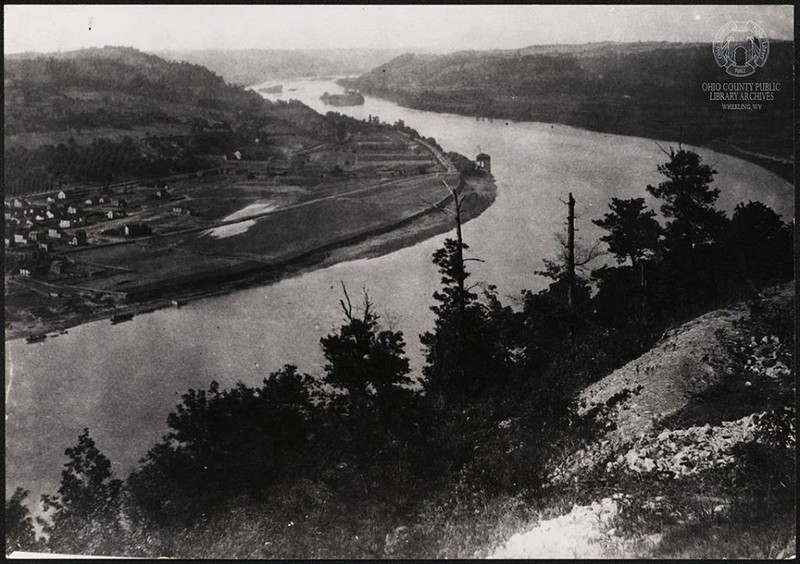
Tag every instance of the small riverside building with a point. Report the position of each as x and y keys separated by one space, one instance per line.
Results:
x=78 y=239
x=484 y=162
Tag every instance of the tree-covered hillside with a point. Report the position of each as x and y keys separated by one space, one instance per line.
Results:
x=113 y=87
x=648 y=89
x=252 y=66
x=65 y=113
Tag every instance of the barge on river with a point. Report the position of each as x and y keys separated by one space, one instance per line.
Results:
x=121 y=317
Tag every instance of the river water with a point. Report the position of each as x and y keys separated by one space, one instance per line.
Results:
x=121 y=381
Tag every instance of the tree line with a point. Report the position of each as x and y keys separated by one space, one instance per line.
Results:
x=363 y=437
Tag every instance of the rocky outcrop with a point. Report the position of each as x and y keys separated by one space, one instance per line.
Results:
x=637 y=398
x=664 y=424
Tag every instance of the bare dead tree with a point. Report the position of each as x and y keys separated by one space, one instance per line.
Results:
x=460 y=273
x=582 y=253
x=347 y=306
x=570 y=248
x=571 y=256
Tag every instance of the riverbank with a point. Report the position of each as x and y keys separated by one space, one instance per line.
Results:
x=370 y=243
x=699 y=131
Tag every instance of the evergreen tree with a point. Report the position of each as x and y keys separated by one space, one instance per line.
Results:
x=760 y=244
x=375 y=425
x=363 y=359
x=633 y=231
x=87 y=510
x=466 y=350
x=688 y=201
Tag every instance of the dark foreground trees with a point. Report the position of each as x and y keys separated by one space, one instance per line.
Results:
x=465 y=352
x=702 y=259
x=18 y=524
x=342 y=430
x=86 y=512
x=363 y=359
x=224 y=443
x=633 y=231
x=688 y=201
x=361 y=450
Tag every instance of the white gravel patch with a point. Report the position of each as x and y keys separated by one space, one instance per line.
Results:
x=578 y=534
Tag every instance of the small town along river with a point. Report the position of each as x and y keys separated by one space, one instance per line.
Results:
x=121 y=381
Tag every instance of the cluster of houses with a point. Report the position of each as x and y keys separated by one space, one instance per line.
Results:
x=43 y=223
x=39 y=225
x=34 y=228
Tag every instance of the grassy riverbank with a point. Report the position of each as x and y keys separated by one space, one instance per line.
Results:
x=370 y=242
x=127 y=216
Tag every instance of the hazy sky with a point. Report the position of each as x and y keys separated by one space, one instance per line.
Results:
x=170 y=27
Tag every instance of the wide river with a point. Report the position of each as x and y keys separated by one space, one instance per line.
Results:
x=121 y=381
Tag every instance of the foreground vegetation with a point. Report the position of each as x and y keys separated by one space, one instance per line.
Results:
x=357 y=462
